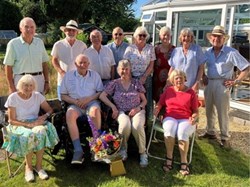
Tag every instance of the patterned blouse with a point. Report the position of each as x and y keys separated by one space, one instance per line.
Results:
x=125 y=100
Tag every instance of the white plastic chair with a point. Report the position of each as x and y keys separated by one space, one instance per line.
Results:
x=157 y=127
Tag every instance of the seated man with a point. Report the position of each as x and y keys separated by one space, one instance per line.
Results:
x=81 y=89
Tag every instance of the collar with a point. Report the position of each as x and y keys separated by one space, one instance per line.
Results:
x=23 y=42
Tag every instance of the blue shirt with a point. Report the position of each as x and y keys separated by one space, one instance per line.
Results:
x=118 y=52
x=189 y=63
x=222 y=66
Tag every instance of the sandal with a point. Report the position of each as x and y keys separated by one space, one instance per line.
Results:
x=185 y=171
x=167 y=167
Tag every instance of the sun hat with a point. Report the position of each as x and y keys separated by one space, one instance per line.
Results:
x=218 y=30
x=71 y=25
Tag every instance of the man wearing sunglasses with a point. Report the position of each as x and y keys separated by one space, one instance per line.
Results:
x=118 y=46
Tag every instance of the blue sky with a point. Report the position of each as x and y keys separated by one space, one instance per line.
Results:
x=137 y=7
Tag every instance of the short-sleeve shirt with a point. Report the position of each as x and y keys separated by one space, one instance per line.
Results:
x=67 y=55
x=139 y=61
x=101 y=62
x=179 y=105
x=188 y=63
x=118 y=52
x=125 y=100
x=25 y=109
x=222 y=66
x=24 y=57
x=78 y=86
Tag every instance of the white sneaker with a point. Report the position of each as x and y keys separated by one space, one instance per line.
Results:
x=144 y=160
x=29 y=176
x=42 y=174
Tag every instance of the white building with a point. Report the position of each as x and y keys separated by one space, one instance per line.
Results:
x=199 y=15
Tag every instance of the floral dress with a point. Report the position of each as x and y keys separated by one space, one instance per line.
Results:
x=21 y=140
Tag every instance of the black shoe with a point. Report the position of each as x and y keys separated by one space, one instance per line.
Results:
x=208 y=136
x=225 y=144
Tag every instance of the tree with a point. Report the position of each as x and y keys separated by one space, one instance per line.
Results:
x=9 y=21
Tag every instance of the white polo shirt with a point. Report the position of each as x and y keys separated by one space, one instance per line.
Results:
x=101 y=62
x=77 y=86
x=67 y=55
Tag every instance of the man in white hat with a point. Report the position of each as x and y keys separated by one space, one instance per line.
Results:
x=27 y=55
x=65 y=51
x=221 y=60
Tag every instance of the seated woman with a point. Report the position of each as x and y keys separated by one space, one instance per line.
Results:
x=28 y=132
x=181 y=114
x=128 y=108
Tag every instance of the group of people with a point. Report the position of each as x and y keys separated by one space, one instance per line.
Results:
x=120 y=75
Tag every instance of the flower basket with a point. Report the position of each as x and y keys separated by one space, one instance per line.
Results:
x=104 y=146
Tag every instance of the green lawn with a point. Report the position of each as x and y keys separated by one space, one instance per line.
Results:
x=211 y=166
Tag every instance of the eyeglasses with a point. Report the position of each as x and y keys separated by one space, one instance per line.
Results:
x=116 y=34
x=142 y=35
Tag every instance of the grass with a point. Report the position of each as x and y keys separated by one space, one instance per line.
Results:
x=211 y=166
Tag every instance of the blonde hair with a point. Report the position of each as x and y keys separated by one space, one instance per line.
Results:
x=140 y=30
x=26 y=79
x=174 y=73
x=123 y=64
x=186 y=31
x=165 y=29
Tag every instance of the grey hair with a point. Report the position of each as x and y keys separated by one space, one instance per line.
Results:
x=186 y=31
x=26 y=79
x=140 y=30
x=21 y=24
x=95 y=31
x=124 y=63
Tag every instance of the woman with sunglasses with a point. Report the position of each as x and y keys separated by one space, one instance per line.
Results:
x=189 y=58
x=142 y=57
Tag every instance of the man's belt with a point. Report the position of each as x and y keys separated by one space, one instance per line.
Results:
x=34 y=74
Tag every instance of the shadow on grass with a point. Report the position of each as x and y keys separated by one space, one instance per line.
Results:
x=215 y=159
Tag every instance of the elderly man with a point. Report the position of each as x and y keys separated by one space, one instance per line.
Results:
x=27 y=55
x=118 y=46
x=221 y=60
x=65 y=51
x=101 y=57
x=81 y=89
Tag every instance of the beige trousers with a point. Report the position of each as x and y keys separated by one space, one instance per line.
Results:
x=134 y=125
x=217 y=99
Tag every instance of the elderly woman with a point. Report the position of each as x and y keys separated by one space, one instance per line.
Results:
x=188 y=58
x=163 y=51
x=181 y=114
x=128 y=108
x=29 y=133
x=142 y=57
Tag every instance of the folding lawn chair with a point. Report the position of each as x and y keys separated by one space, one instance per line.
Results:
x=157 y=127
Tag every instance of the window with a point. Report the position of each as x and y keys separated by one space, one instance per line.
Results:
x=161 y=16
x=147 y=17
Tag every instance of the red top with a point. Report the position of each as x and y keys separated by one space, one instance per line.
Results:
x=179 y=105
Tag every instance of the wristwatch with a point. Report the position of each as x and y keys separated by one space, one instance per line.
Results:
x=236 y=82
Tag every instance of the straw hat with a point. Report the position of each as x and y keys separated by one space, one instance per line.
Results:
x=71 y=25
x=218 y=30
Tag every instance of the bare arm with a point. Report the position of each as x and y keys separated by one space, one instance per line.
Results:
x=112 y=72
x=103 y=97
x=10 y=80
x=148 y=71
x=46 y=77
x=56 y=65
x=200 y=72
x=242 y=75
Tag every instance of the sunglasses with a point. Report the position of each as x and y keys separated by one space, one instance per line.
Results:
x=142 y=35
x=116 y=34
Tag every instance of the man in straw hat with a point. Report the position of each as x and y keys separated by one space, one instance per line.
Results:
x=221 y=60
x=65 y=51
